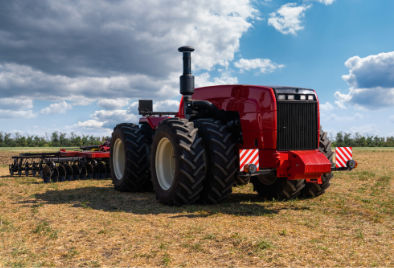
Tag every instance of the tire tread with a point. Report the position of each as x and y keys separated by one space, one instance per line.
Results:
x=137 y=175
x=222 y=156
x=191 y=160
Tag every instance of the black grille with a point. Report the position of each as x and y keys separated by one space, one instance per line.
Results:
x=297 y=125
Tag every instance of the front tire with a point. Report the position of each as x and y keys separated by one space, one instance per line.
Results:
x=129 y=161
x=284 y=189
x=281 y=189
x=314 y=189
x=178 y=162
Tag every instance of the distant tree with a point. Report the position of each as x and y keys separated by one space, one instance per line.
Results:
x=347 y=141
x=55 y=139
x=339 y=139
x=8 y=142
x=63 y=141
x=59 y=139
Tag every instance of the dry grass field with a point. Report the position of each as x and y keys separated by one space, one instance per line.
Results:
x=87 y=223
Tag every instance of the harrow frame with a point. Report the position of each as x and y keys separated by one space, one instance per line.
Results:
x=64 y=165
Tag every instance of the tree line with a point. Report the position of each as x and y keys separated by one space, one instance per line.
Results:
x=358 y=140
x=59 y=139
x=56 y=139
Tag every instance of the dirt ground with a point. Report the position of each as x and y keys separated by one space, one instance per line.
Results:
x=88 y=223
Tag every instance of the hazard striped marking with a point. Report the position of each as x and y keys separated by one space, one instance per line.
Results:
x=342 y=155
x=248 y=156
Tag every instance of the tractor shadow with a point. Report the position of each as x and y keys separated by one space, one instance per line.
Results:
x=108 y=199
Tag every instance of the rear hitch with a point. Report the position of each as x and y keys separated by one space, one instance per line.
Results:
x=253 y=172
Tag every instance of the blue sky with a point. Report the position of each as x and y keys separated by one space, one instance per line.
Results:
x=81 y=66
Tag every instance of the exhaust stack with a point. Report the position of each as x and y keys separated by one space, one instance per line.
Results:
x=186 y=79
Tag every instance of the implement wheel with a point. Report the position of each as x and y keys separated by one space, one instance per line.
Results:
x=27 y=169
x=314 y=189
x=222 y=156
x=178 y=162
x=54 y=174
x=129 y=159
x=46 y=173
x=76 y=171
x=69 y=172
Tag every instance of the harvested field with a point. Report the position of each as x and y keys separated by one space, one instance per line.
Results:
x=87 y=223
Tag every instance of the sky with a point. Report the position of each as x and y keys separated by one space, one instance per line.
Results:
x=81 y=66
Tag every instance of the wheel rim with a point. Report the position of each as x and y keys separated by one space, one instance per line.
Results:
x=165 y=163
x=119 y=158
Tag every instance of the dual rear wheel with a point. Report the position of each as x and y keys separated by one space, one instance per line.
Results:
x=189 y=161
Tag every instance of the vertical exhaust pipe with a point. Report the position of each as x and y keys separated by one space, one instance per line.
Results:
x=186 y=79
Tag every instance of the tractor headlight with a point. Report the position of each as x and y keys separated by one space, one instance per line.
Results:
x=302 y=97
x=290 y=97
x=310 y=97
x=281 y=97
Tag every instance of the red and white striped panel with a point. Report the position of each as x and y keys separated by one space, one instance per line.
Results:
x=248 y=156
x=342 y=155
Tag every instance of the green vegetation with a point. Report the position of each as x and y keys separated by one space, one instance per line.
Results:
x=56 y=139
x=43 y=228
x=357 y=140
x=59 y=139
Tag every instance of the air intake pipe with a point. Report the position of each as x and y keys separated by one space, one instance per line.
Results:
x=187 y=79
x=193 y=108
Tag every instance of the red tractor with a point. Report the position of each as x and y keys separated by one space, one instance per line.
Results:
x=222 y=136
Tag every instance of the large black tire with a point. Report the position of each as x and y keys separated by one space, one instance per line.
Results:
x=178 y=162
x=314 y=189
x=222 y=159
x=281 y=189
x=129 y=159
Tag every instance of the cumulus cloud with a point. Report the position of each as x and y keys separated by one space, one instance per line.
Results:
x=337 y=117
x=90 y=124
x=56 y=108
x=166 y=106
x=16 y=103
x=21 y=80
x=7 y=113
x=326 y=2
x=112 y=104
x=16 y=108
x=205 y=79
x=371 y=71
x=88 y=38
x=263 y=65
x=342 y=100
x=107 y=119
x=288 y=18
x=107 y=52
x=326 y=107
x=370 y=80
